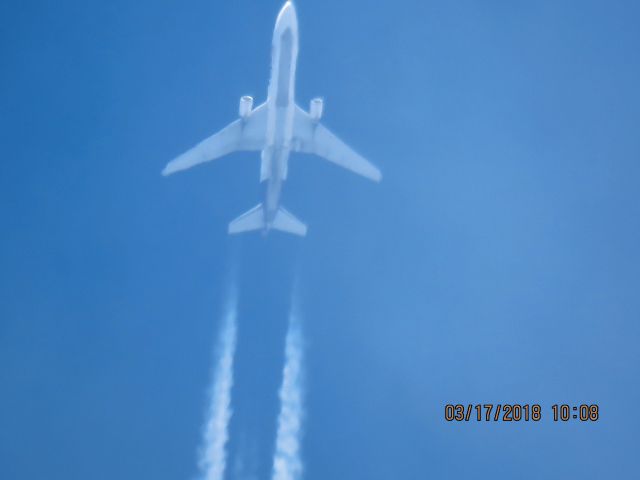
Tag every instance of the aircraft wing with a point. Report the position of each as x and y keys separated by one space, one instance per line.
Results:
x=243 y=134
x=313 y=137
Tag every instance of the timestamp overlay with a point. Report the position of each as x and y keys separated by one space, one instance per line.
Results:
x=521 y=412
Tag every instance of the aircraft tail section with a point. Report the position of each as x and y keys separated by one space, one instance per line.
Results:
x=285 y=222
x=248 y=221
x=254 y=219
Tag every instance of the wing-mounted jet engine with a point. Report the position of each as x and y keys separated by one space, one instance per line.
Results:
x=246 y=104
x=315 y=109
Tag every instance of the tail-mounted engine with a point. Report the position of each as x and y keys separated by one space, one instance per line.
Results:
x=315 y=109
x=246 y=104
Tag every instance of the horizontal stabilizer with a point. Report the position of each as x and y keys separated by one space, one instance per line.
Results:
x=254 y=219
x=248 y=221
x=286 y=222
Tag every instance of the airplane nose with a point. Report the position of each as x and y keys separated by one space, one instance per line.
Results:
x=287 y=15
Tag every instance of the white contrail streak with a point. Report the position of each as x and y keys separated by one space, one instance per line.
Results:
x=213 y=455
x=286 y=462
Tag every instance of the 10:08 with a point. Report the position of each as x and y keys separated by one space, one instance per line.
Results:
x=584 y=413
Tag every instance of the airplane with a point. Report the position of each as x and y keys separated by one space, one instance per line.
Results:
x=276 y=128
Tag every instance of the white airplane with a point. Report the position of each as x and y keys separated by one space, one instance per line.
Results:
x=276 y=128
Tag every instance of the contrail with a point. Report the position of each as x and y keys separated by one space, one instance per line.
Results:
x=213 y=454
x=287 y=464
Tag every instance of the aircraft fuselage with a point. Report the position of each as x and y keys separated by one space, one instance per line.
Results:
x=280 y=110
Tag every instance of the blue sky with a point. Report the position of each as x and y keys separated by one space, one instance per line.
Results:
x=496 y=262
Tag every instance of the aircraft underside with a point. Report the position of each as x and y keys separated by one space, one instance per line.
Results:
x=276 y=128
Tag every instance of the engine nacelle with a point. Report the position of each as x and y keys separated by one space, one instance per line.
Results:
x=315 y=109
x=246 y=104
